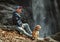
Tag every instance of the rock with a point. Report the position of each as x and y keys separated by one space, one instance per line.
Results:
x=1 y=40
x=56 y=36
x=40 y=38
x=49 y=39
x=3 y=32
x=13 y=36
x=22 y=38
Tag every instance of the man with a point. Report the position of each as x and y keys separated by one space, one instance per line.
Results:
x=21 y=27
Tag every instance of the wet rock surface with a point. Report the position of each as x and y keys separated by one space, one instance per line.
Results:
x=56 y=36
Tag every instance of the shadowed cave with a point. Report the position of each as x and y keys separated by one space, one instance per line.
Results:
x=43 y=12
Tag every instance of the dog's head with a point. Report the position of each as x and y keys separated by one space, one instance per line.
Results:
x=37 y=27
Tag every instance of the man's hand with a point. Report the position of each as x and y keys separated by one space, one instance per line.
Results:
x=22 y=26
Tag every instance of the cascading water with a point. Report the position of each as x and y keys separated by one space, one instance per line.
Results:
x=44 y=15
x=39 y=13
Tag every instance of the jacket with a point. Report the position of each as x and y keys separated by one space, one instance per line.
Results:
x=17 y=19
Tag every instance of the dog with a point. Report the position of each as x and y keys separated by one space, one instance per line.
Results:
x=35 y=32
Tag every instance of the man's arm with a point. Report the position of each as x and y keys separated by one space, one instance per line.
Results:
x=18 y=20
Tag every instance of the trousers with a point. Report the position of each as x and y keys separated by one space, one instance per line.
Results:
x=25 y=29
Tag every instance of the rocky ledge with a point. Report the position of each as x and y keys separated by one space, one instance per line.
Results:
x=13 y=36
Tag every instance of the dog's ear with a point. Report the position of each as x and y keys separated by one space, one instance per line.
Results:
x=37 y=27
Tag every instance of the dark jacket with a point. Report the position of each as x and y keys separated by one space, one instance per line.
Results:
x=17 y=19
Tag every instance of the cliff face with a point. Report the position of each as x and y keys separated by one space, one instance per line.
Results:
x=8 y=7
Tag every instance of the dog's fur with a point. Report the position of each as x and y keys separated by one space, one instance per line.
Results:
x=35 y=33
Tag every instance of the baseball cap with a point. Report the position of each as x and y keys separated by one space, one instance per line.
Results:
x=20 y=7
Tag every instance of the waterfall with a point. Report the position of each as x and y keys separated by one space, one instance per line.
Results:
x=44 y=14
x=39 y=13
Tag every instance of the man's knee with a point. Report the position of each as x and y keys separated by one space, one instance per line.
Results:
x=26 y=24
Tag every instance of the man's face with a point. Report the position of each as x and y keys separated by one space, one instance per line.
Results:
x=19 y=10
